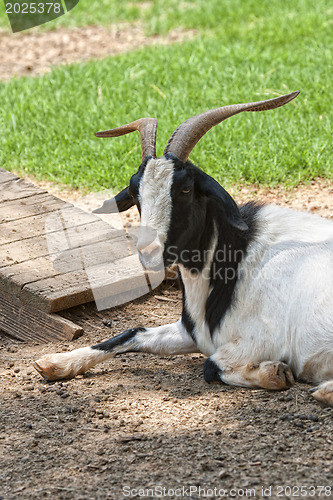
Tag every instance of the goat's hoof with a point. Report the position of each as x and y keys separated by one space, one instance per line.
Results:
x=50 y=367
x=275 y=376
x=324 y=393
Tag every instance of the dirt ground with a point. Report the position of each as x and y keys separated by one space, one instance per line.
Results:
x=141 y=422
x=35 y=52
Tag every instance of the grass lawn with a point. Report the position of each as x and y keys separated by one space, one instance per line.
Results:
x=245 y=51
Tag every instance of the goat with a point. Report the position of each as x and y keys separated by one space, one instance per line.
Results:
x=257 y=280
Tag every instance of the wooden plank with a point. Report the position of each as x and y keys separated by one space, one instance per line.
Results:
x=110 y=284
x=33 y=205
x=28 y=227
x=18 y=188
x=14 y=277
x=6 y=176
x=27 y=323
x=57 y=242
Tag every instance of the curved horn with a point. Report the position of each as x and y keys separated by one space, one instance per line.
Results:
x=147 y=128
x=186 y=136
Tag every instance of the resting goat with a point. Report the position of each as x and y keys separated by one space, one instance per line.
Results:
x=257 y=280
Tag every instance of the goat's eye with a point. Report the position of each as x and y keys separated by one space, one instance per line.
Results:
x=186 y=190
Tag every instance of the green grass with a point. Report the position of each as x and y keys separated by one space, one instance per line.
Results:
x=244 y=52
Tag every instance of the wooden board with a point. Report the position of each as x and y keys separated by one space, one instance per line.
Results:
x=55 y=242
x=29 y=324
x=29 y=226
x=18 y=188
x=109 y=284
x=14 y=278
x=54 y=256
x=6 y=176
x=32 y=205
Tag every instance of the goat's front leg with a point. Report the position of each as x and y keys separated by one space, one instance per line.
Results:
x=232 y=369
x=165 y=340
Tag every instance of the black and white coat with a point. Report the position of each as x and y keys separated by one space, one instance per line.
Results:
x=257 y=284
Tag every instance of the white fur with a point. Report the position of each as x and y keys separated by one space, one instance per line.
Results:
x=155 y=196
x=283 y=301
x=166 y=340
x=281 y=309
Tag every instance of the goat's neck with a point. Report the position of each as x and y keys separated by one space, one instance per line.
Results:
x=196 y=283
x=209 y=287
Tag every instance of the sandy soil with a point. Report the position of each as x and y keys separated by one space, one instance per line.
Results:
x=141 y=421
x=35 y=52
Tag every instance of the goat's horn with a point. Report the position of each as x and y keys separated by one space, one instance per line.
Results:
x=186 y=136
x=147 y=128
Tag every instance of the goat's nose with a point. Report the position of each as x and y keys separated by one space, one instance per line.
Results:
x=150 y=251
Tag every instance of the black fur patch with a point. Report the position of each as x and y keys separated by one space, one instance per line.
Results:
x=118 y=340
x=186 y=317
x=200 y=207
x=211 y=372
x=232 y=247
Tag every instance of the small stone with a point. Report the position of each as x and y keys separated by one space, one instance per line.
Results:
x=218 y=432
x=17 y=370
x=234 y=435
x=64 y=395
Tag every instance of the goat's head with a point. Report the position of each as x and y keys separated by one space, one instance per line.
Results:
x=170 y=191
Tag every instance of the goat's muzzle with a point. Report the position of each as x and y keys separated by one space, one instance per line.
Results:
x=151 y=256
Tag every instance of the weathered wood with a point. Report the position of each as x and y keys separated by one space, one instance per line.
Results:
x=54 y=256
x=57 y=242
x=15 y=189
x=110 y=283
x=27 y=323
x=14 y=277
x=6 y=176
x=32 y=205
x=28 y=227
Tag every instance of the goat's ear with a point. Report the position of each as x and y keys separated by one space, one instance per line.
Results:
x=213 y=190
x=121 y=202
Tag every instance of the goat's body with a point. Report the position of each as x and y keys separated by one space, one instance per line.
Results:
x=257 y=281
x=282 y=303
x=280 y=313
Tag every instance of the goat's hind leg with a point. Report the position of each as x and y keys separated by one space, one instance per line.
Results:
x=234 y=370
x=324 y=393
x=165 y=340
